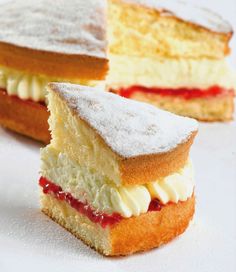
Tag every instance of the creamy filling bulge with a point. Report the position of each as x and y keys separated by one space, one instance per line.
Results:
x=102 y=194
x=28 y=86
x=126 y=71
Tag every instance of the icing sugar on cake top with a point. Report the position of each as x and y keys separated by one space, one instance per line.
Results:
x=62 y=26
x=188 y=12
x=128 y=127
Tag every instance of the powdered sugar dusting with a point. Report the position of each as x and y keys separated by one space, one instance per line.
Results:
x=129 y=127
x=62 y=26
x=188 y=12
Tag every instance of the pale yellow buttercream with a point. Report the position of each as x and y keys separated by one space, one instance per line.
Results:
x=173 y=73
x=29 y=86
x=104 y=195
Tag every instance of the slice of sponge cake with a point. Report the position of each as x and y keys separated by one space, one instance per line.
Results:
x=171 y=54
x=133 y=140
x=117 y=173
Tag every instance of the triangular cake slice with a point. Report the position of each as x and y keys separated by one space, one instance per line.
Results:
x=114 y=164
x=43 y=41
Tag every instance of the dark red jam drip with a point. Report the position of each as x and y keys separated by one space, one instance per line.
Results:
x=96 y=217
x=155 y=205
x=185 y=93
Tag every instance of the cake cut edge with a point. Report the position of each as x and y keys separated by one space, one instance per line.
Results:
x=207 y=42
x=28 y=118
x=219 y=108
x=135 y=234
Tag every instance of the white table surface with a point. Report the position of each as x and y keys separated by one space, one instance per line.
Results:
x=29 y=241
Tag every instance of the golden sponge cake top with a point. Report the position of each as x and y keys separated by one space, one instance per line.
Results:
x=166 y=28
x=128 y=127
x=70 y=27
x=54 y=38
x=187 y=12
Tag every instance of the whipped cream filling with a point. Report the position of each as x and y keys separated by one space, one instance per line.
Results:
x=104 y=195
x=29 y=86
x=127 y=71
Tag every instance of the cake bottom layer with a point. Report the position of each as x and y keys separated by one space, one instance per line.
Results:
x=25 y=117
x=130 y=235
x=218 y=108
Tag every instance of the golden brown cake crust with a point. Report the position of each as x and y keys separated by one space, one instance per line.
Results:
x=148 y=168
x=143 y=169
x=151 y=229
x=58 y=65
x=61 y=39
x=26 y=117
x=130 y=235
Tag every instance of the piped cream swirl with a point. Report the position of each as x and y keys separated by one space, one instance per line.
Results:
x=25 y=86
x=176 y=187
x=29 y=86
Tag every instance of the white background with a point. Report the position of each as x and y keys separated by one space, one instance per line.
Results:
x=29 y=241
x=227 y=9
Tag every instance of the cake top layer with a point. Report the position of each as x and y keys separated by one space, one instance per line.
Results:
x=62 y=26
x=187 y=12
x=128 y=127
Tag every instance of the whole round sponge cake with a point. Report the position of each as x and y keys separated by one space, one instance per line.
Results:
x=47 y=41
x=49 y=38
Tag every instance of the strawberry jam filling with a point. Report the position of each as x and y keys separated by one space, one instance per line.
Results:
x=97 y=217
x=154 y=205
x=185 y=93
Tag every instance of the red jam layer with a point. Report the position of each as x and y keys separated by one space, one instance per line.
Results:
x=97 y=217
x=155 y=206
x=185 y=93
